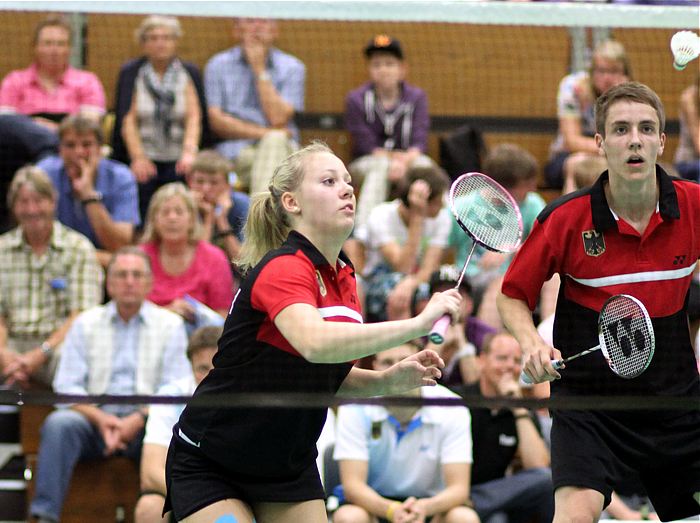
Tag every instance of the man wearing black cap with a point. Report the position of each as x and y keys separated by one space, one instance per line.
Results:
x=463 y=340
x=388 y=120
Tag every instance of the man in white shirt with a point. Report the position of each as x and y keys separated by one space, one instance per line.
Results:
x=159 y=428
x=404 y=463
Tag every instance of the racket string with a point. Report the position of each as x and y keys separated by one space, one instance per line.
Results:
x=488 y=213
x=627 y=337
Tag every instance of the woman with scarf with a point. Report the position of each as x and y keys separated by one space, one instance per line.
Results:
x=160 y=108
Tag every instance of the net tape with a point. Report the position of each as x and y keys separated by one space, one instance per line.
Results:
x=571 y=14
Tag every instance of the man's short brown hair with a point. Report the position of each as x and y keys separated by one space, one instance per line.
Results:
x=632 y=92
x=203 y=338
x=211 y=162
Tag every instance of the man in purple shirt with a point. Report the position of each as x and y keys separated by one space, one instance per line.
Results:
x=388 y=121
x=253 y=91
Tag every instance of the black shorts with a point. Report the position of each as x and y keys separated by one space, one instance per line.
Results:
x=593 y=449
x=195 y=481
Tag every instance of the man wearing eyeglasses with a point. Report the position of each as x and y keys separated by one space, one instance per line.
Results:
x=128 y=346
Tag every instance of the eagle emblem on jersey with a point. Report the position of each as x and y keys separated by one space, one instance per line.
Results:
x=321 y=285
x=593 y=242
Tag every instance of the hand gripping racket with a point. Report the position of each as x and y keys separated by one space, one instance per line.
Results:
x=626 y=338
x=490 y=216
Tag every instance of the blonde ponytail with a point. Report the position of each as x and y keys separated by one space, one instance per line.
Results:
x=268 y=224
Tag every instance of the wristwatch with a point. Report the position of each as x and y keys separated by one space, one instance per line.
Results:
x=264 y=76
x=95 y=197
x=46 y=349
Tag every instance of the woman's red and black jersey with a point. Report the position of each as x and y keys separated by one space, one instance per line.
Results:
x=597 y=255
x=254 y=357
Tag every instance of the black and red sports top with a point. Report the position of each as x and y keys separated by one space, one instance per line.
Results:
x=253 y=356
x=597 y=255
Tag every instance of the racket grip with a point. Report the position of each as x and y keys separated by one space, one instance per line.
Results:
x=524 y=378
x=437 y=334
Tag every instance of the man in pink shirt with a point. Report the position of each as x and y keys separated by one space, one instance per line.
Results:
x=50 y=88
x=34 y=100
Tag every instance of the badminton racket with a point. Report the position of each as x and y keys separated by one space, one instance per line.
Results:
x=625 y=335
x=490 y=216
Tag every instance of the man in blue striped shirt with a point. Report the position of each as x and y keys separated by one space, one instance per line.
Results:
x=253 y=91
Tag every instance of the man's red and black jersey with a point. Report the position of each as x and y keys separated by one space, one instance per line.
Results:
x=254 y=357
x=598 y=255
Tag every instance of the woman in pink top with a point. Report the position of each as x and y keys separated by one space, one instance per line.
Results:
x=185 y=268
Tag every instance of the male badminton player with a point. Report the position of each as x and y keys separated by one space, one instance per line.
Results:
x=635 y=231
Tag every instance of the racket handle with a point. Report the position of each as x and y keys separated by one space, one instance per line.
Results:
x=524 y=378
x=437 y=334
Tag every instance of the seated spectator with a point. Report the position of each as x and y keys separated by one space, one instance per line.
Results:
x=222 y=209
x=253 y=91
x=96 y=196
x=405 y=240
x=404 y=463
x=687 y=159
x=50 y=89
x=587 y=171
x=49 y=275
x=510 y=473
x=190 y=276
x=516 y=170
x=128 y=346
x=161 y=419
x=34 y=100
x=575 y=101
x=388 y=122
x=464 y=338
x=159 y=108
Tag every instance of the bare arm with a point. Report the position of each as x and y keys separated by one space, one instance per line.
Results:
x=531 y=447
x=130 y=132
x=153 y=467
x=193 y=120
x=418 y=370
x=322 y=341
x=142 y=167
x=231 y=128
x=517 y=318
x=353 y=474
x=456 y=491
x=402 y=258
x=277 y=110
x=689 y=109
x=574 y=140
x=111 y=234
x=28 y=363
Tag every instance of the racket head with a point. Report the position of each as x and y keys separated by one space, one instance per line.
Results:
x=626 y=335
x=487 y=212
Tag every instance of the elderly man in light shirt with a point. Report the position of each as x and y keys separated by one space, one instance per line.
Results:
x=128 y=346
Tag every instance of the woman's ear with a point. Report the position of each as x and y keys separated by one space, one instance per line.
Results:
x=289 y=203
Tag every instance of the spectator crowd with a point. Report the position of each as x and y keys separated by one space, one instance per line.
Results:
x=119 y=262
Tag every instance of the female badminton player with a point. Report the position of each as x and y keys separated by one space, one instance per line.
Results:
x=294 y=327
x=635 y=231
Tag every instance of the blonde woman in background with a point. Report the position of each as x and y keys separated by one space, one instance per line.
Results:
x=187 y=271
x=577 y=95
x=687 y=159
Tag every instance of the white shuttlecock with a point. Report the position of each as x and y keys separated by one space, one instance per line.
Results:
x=685 y=46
